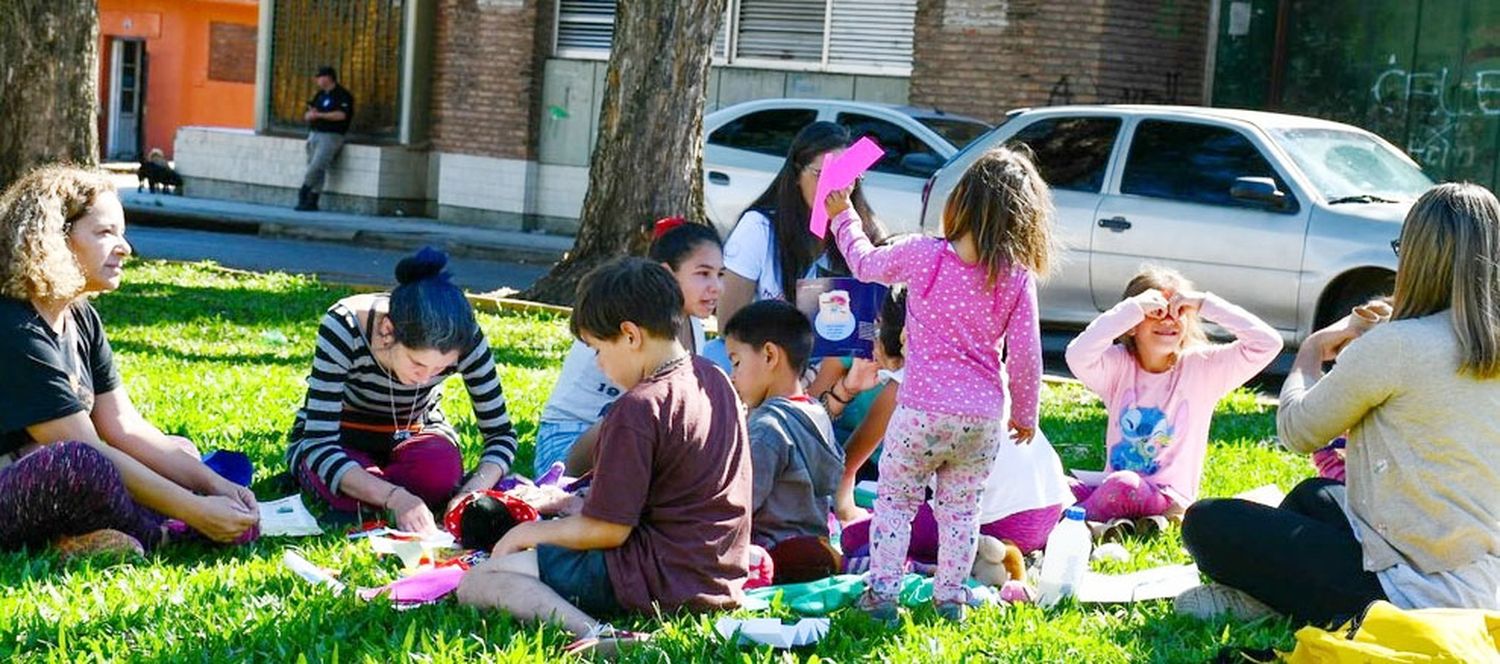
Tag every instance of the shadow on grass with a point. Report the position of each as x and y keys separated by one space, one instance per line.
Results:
x=153 y=303
x=239 y=359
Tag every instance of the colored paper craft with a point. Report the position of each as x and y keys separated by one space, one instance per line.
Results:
x=425 y=587
x=838 y=173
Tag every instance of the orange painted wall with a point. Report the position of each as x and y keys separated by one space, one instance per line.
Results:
x=178 y=90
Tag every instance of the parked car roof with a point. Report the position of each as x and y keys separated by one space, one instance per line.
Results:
x=1259 y=118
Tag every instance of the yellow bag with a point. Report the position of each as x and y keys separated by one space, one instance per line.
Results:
x=1388 y=634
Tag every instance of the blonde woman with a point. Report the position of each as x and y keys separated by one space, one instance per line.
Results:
x=79 y=466
x=1419 y=522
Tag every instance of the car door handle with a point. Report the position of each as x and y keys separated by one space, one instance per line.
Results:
x=1116 y=224
x=716 y=177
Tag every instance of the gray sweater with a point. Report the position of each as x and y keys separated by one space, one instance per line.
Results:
x=1423 y=461
x=798 y=466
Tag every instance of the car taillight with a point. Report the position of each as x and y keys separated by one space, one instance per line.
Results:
x=926 y=192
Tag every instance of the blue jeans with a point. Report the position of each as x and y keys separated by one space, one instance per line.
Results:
x=553 y=441
x=580 y=577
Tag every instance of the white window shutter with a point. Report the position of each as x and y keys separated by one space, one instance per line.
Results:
x=585 y=25
x=872 y=33
x=781 y=30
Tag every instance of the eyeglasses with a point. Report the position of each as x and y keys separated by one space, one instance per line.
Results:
x=1396 y=247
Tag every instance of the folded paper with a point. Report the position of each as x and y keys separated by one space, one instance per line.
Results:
x=838 y=173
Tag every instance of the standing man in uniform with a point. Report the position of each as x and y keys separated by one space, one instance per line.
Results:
x=329 y=113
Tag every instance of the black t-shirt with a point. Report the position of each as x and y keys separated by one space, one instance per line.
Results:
x=45 y=376
x=337 y=99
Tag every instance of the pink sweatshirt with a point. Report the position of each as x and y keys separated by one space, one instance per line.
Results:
x=955 y=324
x=1158 y=422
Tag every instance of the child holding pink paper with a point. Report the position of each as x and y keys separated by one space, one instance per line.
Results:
x=968 y=293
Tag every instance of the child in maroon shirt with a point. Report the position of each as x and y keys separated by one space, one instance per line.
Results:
x=666 y=522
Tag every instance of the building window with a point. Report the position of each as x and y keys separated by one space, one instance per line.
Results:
x=231 y=52
x=853 y=36
x=360 y=38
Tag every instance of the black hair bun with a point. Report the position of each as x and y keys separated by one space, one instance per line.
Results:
x=424 y=264
x=484 y=522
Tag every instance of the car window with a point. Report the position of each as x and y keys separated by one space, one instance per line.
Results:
x=767 y=132
x=1071 y=153
x=957 y=132
x=897 y=142
x=1192 y=162
x=1344 y=163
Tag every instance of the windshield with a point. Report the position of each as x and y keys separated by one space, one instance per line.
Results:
x=1342 y=163
x=958 y=132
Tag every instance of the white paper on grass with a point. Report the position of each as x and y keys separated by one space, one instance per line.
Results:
x=772 y=632
x=1269 y=495
x=312 y=573
x=1155 y=583
x=287 y=517
x=411 y=552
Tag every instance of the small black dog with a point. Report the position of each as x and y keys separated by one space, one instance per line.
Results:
x=158 y=174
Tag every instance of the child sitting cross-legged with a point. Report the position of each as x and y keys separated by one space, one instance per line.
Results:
x=666 y=522
x=796 y=459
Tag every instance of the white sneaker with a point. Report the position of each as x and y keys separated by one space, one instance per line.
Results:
x=1210 y=601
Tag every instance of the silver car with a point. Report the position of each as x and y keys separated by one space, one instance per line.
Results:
x=748 y=142
x=1290 y=217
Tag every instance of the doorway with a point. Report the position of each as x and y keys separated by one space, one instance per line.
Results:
x=127 y=76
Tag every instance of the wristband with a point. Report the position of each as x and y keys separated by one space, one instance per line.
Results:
x=830 y=393
x=387 y=502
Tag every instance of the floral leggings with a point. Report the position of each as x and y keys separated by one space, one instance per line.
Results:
x=919 y=445
x=68 y=489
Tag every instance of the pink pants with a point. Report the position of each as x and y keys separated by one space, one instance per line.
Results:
x=427 y=464
x=1124 y=494
x=1028 y=530
x=919 y=445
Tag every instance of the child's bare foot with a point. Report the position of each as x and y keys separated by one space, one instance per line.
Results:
x=103 y=541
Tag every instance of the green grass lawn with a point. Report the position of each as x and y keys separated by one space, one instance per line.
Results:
x=219 y=356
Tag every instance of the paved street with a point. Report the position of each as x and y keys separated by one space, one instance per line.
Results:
x=347 y=263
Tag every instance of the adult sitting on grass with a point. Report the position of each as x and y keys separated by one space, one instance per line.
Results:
x=371 y=432
x=79 y=466
x=1420 y=398
x=666 y=522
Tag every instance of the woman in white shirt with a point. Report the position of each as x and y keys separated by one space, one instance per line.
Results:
x=771 y=247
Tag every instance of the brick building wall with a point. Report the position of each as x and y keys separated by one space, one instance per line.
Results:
x=485 y=77
x=984 y=57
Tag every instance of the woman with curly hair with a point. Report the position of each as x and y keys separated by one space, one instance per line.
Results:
x=79 y=466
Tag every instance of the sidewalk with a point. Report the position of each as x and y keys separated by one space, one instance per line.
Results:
x=403 y=233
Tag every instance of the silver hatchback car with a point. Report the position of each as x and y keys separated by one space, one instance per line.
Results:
x=1290 y=217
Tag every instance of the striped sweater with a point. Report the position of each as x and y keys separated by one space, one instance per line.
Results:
x=347 y=385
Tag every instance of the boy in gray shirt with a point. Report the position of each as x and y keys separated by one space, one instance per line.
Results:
x=797 y=463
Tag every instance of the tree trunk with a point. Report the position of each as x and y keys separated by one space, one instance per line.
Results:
x=49 y=84
x=647 y=163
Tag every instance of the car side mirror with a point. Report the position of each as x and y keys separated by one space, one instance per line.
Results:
x=920 y=164
x=1258 y=190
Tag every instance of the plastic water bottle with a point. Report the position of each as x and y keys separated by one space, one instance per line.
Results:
x=1066 y=557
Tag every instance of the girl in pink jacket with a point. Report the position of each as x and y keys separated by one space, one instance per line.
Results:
x=1160 y=378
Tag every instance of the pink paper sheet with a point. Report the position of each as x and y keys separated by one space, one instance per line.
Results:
x=838 y=173
x=421 y=588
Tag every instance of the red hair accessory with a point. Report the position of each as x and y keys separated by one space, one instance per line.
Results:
x=665 y=225
x=519 y=510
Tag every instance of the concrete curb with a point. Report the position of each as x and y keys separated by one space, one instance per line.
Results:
x=401 y=233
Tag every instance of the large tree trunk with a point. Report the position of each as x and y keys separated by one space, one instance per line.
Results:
x=647 y=163
x=49 y=84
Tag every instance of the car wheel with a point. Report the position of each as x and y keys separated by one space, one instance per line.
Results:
x=1351 y=292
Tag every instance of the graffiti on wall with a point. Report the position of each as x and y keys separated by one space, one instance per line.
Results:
x=1436 y=104
x=1083 y=89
